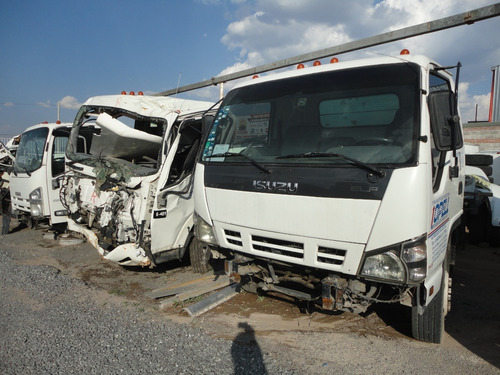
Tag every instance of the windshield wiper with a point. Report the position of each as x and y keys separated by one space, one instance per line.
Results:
x=378 y=172
x=235 y=154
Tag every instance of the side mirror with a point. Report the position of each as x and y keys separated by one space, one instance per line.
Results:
x=444 y=120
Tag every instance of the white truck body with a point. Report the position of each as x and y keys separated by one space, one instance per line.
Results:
x=481 y=206
x=130 y=192
x=345 y=178
x=495 y=165
x=37 y=171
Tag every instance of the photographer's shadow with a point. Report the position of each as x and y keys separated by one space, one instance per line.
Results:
x=246 y=353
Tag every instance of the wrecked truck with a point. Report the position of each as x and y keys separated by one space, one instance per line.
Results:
x=128 y=185
x=6 y=158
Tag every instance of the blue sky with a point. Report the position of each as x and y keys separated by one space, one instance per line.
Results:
x=67 y=51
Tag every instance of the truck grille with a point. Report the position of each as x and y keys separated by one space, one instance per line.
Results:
x=20 y=203
x=233 y=237
x=276 y=246
x=292 y=250
x=331 y=256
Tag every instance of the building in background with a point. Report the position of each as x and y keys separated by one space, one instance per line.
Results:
x=486 y=134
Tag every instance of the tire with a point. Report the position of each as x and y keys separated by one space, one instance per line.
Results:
x=429 y=326
x=476 y=160
x=199 y=256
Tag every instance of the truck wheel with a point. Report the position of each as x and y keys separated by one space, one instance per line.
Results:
x=199 y=256
x=429 y=326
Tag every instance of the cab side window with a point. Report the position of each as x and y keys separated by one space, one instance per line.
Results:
x=58 y=152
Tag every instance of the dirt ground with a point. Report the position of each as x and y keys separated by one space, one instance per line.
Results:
x=473 y=323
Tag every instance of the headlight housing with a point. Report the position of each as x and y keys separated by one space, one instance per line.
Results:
x=36 y=203
x=414 y=255
x=386 y=266
x=405 y=262
x=204 y=231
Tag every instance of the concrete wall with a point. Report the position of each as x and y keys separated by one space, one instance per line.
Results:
x=486 y=135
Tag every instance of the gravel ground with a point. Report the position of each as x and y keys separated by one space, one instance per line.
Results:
x=55 y=323
x=51 y=324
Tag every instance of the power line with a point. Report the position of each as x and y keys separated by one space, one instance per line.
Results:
x=466 y=18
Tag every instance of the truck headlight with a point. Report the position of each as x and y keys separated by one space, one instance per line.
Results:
x=36 y=203
x=405 y=262
x=204 y=231
x=384 y=266
x=415 y=256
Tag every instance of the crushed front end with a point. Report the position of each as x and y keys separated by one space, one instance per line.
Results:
x=122 y=154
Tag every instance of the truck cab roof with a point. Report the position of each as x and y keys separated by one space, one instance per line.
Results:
x=383 y=60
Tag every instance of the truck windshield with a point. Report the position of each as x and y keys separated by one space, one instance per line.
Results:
x=30 y=150
x=367 y=114
x=127 y=140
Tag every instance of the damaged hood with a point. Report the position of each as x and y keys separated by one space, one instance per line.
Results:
x=119 y=140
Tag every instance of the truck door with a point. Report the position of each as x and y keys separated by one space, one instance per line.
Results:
x=447 y=164
x=55 y=170
x=172 y=216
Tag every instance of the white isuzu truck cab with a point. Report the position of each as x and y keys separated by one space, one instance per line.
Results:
x=340 y=184
x=128 y=187
x=37 y=172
